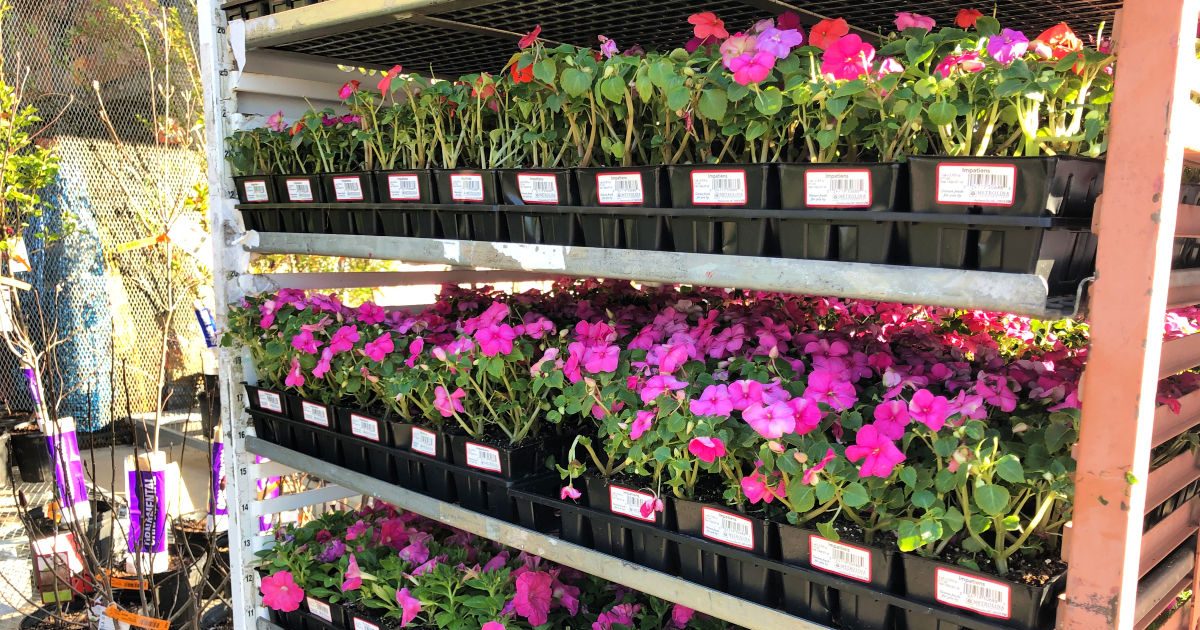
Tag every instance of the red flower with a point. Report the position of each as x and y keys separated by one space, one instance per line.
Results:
x=528 y=40
x=1057 y=42
x=348 y=89
x=707 y=24
x=827 y=31
x=484 y=87
x=386 y=82
x=966 y=17
x=522 y=75
x=298 y=127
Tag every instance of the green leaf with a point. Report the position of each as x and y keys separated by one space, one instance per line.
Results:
x=917 y=50
x=953 y=520
x=275 y=349
x=613 y=89
x=836 y=106
x=713 y=104
x=545 y=71
x=908 y=536
x=756 y=129
x=575 y=81
x=942 y=113
x=825 y=491
x=769 y=101
x=944 y=481
x=661 y=72
x=1009 y=468
x=828 y=531
x=826 y=138
x=909 y=476
x=802 y=497
x=987 y=25
x=923 y=499
x=992 y=499
x=855 y=495
x=678 y=97
x=850 y=88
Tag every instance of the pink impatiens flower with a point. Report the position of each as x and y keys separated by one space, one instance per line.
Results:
x=906 y=20
x=353 y=577
x=534 y=596
x=344 y=339
x=743 y=394
x=658 y=385
x=749 y=69
x=280 y=592
x=929 y=410
x=736 y=46
x=446 y=403
x=828 y=388
x=879 y=454
x=409 y=605
x=847 y=58
x=601 y=360
x=755 y=487
x=275 y=122
x=492 y=625
x=569 y=492
x=371 y=313
x=378 y=349
x=714 y=401
x=304 y=342
x=348 y=89
x=808 y=415
x=324 y=363
x=773 y=421
x=295 y=378
x=1008 y=46
x=707 y=449
x=651 y=506
x=608 y=47
x=811 y=473
x=641 y=424
x=968 y=61
x=494 y=340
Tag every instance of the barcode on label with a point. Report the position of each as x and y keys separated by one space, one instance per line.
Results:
x=360 y=624
x=985 y=597
x=976 y=184
x=314 y=413
x=718 y=188
x=727 y=528
x=270 y=401
x=837 y=189
x=256 y=190
x=840 y=558
x=483 y=457
x=348 y=188
x=619 y=189
x=466 y=187
x=537 y=188
x=299 y=190
x=404 y=188
x=424 y=442
x=629 y=503
x=364 y=427
x=319 y=609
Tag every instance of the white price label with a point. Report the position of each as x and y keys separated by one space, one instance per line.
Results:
x=299 y=190
x=364 y=427
x=537 y=188
x=404 y=187
x=985 y=597
x=319 y=609
x=483 y=457
x=730 y=529
x=840 y=558
x=270 y=401
x=256 y=190
x=718 y=188
x=629 y=503
x=976 y=184
x=361 y=624
x=619 y=189
x=837 y=189
x=424 y=442
x=348 y=188
x=466 y=187
x=314 y=413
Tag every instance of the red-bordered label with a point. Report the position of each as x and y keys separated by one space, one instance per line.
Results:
x=837 y=188
x=839 y=558
x=620 y=189
x=319 y=609
x=424 y=442
x=363 y=624
x=404 y=187
x=270 y=401
x=538 y=188
x=299 y=190
x=964 y=184
x=314 y=413
x=724 y=527
x=719 y=187
x=629 y=503
x=483 y=457
x=364 y=427
x=962 y=590
x=466 y=187
x=348 y=188
x=256 y=190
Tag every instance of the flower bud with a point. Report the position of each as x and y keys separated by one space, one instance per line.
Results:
x=801 y=457
x=776 y=446
x=1020 y=428
x=774 y=353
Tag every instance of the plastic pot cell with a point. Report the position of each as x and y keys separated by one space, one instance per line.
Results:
x=314 y=428
x=466 y=186
x=299 y=189
x=856 y=187
x=366 y=445
x=355 y=187
x=255 y=189
x=875 y=567
x=721 y=524
x=723 y=190
x=539 y=187
x=1062 y=186
x=612 y=536
x=268 y=400
x=483 y=486
x=27 y=449
x=981 y=595
x=406 y=187
x=636 y=188
x=462 y=189
x=423 y=444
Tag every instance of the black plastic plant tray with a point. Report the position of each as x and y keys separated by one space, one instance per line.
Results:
x=309 y=439
x=942 y=614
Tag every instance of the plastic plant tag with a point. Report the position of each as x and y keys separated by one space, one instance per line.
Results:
x=424 y=442
x=838 y=188
x=218 y=503
x=135 y=620
x=840 y=558
x=615 y=189
x=299 y=190
x=319 y=609
x=315 y=414
x=718 y=188
x=986 y=597
x=56 y=560
x=976 y=184
x=256 y=190
x=483 y=457
x=466 y=187
x=538 y=188
x=270 y=401
x=629 y=503
x=364 y=427
x=727 y=528
x=348 y=188
x=68 y=469
x=404 y=187
x=147 y=489
x=362 y=624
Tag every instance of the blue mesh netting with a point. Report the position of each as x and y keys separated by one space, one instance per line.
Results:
x=70 y=289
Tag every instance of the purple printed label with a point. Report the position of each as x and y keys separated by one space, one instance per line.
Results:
x=217 y=501
x=147 y=511
x=268 y=488
x=68 y=467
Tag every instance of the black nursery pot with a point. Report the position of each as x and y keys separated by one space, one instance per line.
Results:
x=634 y=544
x=876 y=567
x=367 y=447
x=488 y=492
x=461 y=188
x=299 y=189
x=414 y=472
x=398 y=187
x=29 y=450
x=267 y=400
x=332 y=614
x=1062 y=186
x=1187 y=250
x=353 y=187
x=724 y=189
x=98 y=529
x=256 y=189
x=634 y=187
x=540 y=187
x=722 y=525
x=314 y=427
x=981 y=595
x=860 y=187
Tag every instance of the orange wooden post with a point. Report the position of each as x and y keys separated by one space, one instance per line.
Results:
x=1137 y=225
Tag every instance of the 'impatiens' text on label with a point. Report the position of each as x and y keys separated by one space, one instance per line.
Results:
x=256 y=190
x=404 y=187
x=316 y=414
x=718 y=188
x=727 y=528
x=842 y=559
x=985 y=597
x=483 y=457
x=626 y=502
x=619 y=188
x=364 y=427
x=976 y=184
x=424 y=442
x=837 y=189
x=348 y=188
x=270 y=401
x=299 y=190
x=466 y=187
x=537 y=188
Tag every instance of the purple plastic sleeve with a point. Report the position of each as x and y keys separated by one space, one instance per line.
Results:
x=218 y=505
x=268 y=488
x=147 y=511
x=72 y=485
x=35 y=389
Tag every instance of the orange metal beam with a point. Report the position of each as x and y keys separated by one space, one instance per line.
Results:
x=1163 y=538
x=1179 y=355
x=1168 y=424
x=1188 y=221
x=1162 y=605
x=1170 y=478
x=1141 y=193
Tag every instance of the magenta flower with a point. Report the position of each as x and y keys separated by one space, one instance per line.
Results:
x=304 y=342
x=707 y=449
x=1008 y=46
x=651 y=506
x=825 y=387
x=660 y=384
x=749 y=69
x=352 y=577
x=569 y=492
x=619 y=615
x=295 y=378
x=357 y=529
x=446 y=403
x=808 y=415
x=378 y=350
x=430 y=565
x=848 y=58
x=275 y=122
x=888 y=66
x=673 y=359
x=736 y=46
x=348 y=89
x=416 y=552
x=492 y=625
x=280 y=592
x=601 y=360
x=344 y=339
x=968 y=61
x=929 y=410
x=779 y=42
x=818 y=467
x=755 y=487
x=496 y=339
x=906 y=20
x=534 y=597
x=371 y=313
x=608 y=47
x=714 y=401
x=786 y=20
x=743 y=394
x=879 y=454
x=772 y=422
x=641 y=424
x=409 y=605
x=323 y=364
x=496 y=563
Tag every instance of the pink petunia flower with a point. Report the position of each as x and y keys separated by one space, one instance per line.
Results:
x=772 y=422
x=641 y=424
x=811 y=473
x=707 y=449
x=353 y=577
x=416 y=552
x=714 y=401
x=496 y=563
x=680 y=614
x=569 y=492
x=280 y=592
x=929 y=410
x=295 y=378
x=446 y=403
x=906 y=20
x=409 y=605
x=378 y=350
x=534 y=596
x=879 y=454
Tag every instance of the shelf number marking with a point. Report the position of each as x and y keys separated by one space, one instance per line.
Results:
x=348 y=188
x=976 y=184
x=320 y=609
x=629 y=503
x=315 y=414
x=299 y=190
x=424 y=442
x=483 y=457
x=730 y=529
x=837 y=189
x=718 y=188
x=840 y=558
x=404 y=187
x=270 y=401
x=538 y=188
x=364 y=427
x=619 y=189
x=256 y=190
x=985 y=597
x=466 y=187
